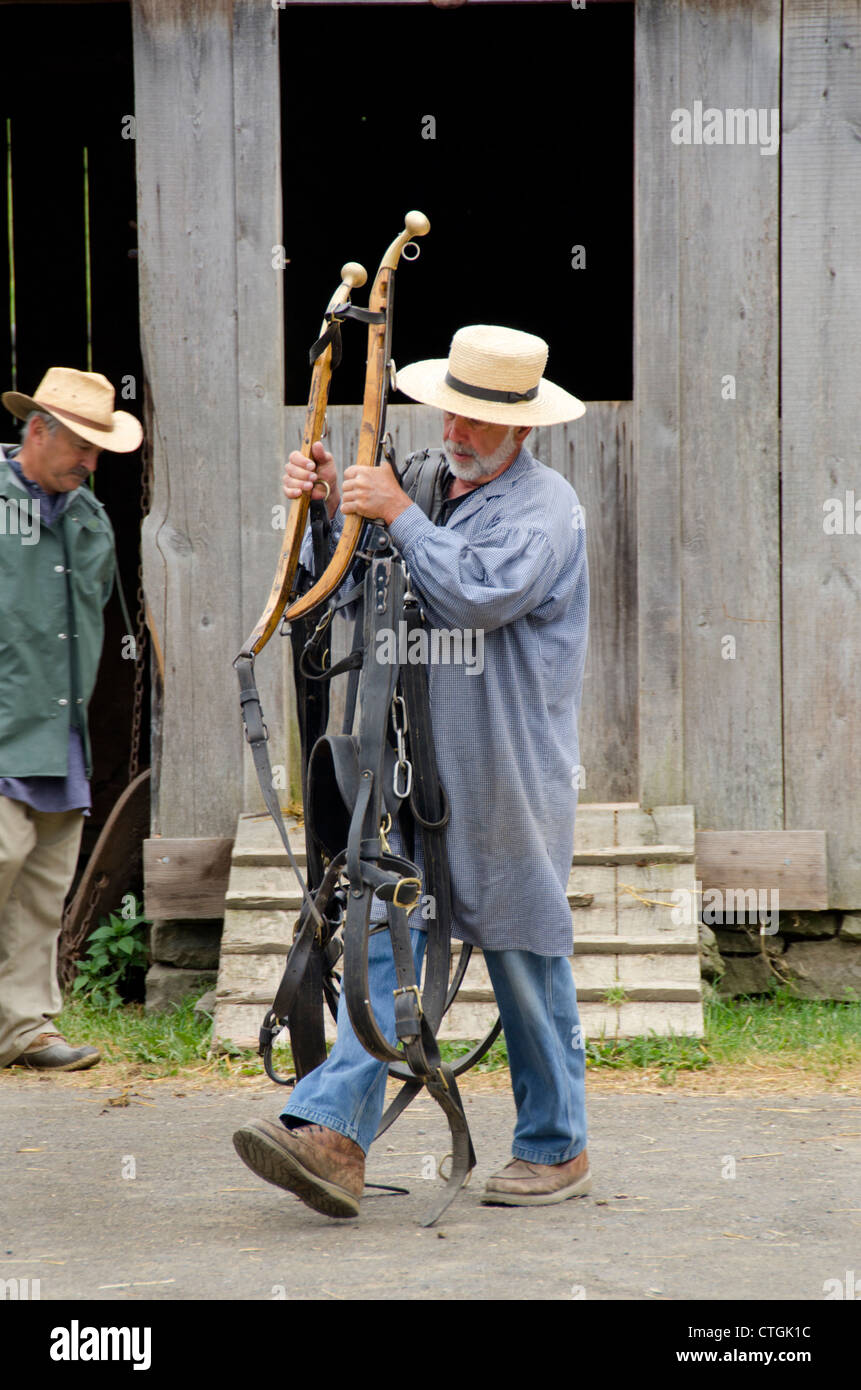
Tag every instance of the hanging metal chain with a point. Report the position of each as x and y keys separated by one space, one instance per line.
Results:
x=403 y=768
x=141 y=634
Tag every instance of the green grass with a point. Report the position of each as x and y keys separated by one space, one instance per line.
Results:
x=824 y=1034
x=821 y=1037
x=162 y=1044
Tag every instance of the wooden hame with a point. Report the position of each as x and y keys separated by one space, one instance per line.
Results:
x=373 y=413
x=353 y=276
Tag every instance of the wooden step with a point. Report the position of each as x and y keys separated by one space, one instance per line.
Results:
x=635 y=961
x=290 y=899
x=240 y=1023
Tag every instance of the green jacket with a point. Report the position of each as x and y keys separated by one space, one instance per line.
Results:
x=54 y=582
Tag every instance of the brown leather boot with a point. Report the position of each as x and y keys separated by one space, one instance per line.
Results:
x=522 y=1184
x=323 y=1168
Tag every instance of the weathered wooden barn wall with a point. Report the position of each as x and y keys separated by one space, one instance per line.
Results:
x=821 y=350
x=731 y=546
x=712 y=574
x=208 y=147
x=595 y=454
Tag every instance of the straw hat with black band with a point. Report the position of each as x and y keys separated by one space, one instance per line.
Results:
x=492 y=374
x=84 y=403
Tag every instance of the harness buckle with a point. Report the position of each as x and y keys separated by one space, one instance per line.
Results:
x=404 y=883
x=411 y=989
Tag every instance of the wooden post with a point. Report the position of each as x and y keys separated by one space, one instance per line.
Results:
x=191 y=539
x=821 y=355
x=728 y=392
x=209 y=194
x=708 y=469
x=656 y=405
x=260 y=343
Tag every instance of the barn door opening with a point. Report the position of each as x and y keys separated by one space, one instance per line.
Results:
x=68 y=240
x=511 y=126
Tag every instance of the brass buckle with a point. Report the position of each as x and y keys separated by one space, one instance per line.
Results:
x=412 y=989
x=402 y=882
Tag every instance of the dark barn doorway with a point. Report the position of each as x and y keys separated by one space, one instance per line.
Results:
x=68 y=243
x=511 y=127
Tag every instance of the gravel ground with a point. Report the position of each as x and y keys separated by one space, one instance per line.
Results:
x=694 y=1198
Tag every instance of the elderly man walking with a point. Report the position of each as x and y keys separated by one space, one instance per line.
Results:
x=502 y=554
x=57 y=570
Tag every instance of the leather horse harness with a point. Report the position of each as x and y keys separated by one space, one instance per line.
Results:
x=379 y=768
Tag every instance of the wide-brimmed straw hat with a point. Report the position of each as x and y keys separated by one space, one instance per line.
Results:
x=84 y=402
x=492 y=374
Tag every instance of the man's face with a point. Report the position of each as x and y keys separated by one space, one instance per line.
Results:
x=475 y=449
x=58 y=462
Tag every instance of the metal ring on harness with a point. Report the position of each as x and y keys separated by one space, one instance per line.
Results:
x=403 y=794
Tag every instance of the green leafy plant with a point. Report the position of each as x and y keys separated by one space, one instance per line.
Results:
x=117 y=947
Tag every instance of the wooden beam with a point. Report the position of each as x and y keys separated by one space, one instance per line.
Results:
x=821 y=358
x=728 y=396
x=186 y=879
x=792 y=861
x=260 y=352
x=657 y=172
x=183 y=57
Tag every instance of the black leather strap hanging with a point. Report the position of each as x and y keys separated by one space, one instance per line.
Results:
x=356 y=772
x=333 y=332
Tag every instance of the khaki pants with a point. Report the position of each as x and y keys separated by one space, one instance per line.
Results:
x=38 y=855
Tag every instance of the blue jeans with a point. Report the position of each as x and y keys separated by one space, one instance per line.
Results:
x=537 y=1003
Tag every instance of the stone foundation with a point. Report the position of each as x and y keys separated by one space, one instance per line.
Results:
x=816 y=955
x=184 y=959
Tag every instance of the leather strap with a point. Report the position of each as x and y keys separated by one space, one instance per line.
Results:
x=333 y=333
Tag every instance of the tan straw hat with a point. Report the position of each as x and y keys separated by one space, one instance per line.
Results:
x=492 y=374
x=84 y=403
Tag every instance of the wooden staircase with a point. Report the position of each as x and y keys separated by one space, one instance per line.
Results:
x=635 y=962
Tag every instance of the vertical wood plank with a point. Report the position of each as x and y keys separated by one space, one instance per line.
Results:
x=656 y=405
x=187 y=233
x=730 y=504
x=596 y=456
x=260 y=347
x=821 y=357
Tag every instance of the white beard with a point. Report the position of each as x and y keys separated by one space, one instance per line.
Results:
x=481 y=466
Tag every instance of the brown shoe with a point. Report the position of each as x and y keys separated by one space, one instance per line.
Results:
x=522 y=1184
x=51 y=1052
x=323 y=1168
